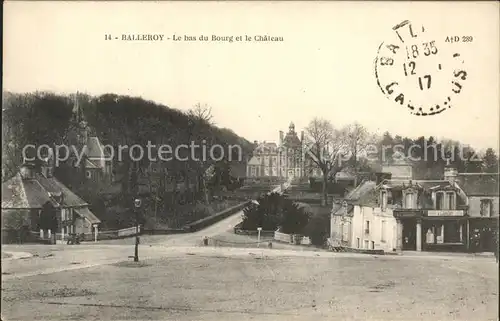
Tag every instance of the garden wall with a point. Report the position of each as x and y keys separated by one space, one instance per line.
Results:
x=195 y=226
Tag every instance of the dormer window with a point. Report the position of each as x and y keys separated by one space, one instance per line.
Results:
x=450 y=200
x=439 y=200
x=409 y=200
x=445 y=200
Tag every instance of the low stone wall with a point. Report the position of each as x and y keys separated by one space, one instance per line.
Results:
x=195 y=226
x=238 y=230
x=282 y=237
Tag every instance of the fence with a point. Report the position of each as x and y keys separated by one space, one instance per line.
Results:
x=292 y=238
x=129 y=231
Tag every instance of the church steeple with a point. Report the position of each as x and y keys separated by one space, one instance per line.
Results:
x=79 y=120
x=77 y=113
x=291 y=127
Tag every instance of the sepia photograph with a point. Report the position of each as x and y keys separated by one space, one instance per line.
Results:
x=250 y=160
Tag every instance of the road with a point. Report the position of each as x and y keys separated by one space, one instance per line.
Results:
x=57 y=258
x=206 y=283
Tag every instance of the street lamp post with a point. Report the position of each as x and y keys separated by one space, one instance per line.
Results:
x=137 y=205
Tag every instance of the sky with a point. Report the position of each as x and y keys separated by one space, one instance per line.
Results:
x=324 y=67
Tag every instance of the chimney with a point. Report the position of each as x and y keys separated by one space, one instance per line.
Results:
x=281 y=137
x=48 y=164
x=27 y=170
x=450 y=173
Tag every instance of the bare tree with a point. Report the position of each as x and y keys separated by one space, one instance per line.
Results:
x=201 y=114
x=357 y=139
x=200 y=121
x=326 y=147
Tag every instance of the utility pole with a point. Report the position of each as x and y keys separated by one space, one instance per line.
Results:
x=137 y=205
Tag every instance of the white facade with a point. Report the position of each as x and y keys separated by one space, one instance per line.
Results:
x=373 y=229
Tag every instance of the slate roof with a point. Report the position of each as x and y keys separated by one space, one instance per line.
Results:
x=18 y=193
x=85 y=212
x=253 y=161
x=95 y=149
x=266 y=148
x=337 y=209
x=361 y=190
x=91 y=165
x=480 y=184
x=428 y=185
x=291 y=140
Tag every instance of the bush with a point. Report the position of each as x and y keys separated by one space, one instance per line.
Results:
x=295 y=218
x=318 y=229
x=275 y=210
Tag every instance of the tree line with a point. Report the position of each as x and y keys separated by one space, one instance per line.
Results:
x=334 y=149
x=47 y=118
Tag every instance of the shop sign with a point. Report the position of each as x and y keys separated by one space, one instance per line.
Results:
x=445 y=213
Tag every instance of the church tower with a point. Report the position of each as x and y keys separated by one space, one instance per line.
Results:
x=82 y=129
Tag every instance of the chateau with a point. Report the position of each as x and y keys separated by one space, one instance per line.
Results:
x=284 y=160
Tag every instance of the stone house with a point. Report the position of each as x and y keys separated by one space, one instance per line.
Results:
x=38 y=204
x=428 y=215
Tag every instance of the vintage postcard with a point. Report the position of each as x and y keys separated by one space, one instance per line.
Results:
x=250 y=160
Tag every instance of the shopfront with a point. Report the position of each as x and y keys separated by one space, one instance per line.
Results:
x=444 y=234
x=433 y=230
x=483 y=235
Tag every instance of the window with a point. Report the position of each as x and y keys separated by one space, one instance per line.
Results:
x=373 y=245
x=486 y=207
x=439 y=201
x=345 y=231
x=367 y=227
x=383 y=200
x=358 y=242
x=382 y=231
x=450 y=200
x=88 y=174
x=409 y=200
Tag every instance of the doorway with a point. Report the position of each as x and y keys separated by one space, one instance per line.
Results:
x=409 y=235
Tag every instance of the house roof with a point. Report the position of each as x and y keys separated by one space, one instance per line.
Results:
x=337 y=209
x=19 y=193
x=291 y=140
x=85 y=212
x=479 y=184
x=91 y=164
x=266 y=148
x=253 y=161
x=423 y=184
x=361 y=190
x=95 y=149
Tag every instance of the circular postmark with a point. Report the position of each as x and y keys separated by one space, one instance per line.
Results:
x=417 y=71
